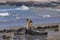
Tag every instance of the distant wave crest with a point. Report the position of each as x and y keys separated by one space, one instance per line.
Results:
x=45 y=16
x=53 y=9
x=19 y=8
x=23 y=7
x=4 y=14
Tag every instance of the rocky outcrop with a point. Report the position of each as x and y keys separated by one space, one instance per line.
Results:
x=32 y=3
x=36 y=4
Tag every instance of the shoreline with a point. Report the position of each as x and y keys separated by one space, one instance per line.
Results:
x=56 y=7
x=34 y=25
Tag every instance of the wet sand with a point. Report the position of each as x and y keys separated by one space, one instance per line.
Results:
x=52 y=35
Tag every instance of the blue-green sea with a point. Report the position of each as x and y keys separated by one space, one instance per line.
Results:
x=17 y=15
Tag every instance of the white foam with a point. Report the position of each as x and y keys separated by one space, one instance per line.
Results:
x=57 y=9
x=19 y=8
x=4 y=14
x=45 y=16
x=53 y=9
x=6 y=9
x=17 y=17
x=23 y=7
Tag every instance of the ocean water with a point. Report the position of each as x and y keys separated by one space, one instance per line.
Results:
x=16 y=16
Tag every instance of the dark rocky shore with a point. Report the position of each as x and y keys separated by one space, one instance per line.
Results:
x=36 y=4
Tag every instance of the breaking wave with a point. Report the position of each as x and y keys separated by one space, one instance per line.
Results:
x=17 y=17
x=4 y=14
x=46 y=16
x=19 y=8
x=53 y=9
x=23 y=7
